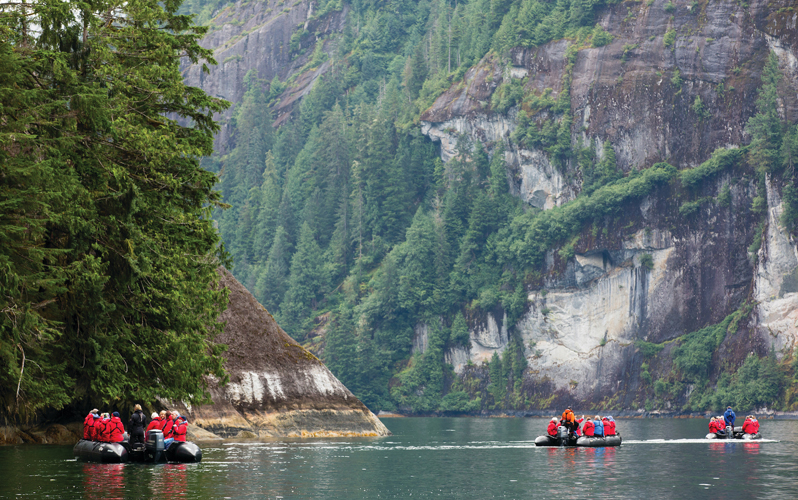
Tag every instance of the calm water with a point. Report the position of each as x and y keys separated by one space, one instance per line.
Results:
x=436 y=458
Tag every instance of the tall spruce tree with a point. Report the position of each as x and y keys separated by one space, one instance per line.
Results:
x=107 y=266
x=305 y=283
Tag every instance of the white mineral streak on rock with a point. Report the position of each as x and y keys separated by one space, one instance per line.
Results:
x=518 y=72
x=457 y=357
x=541 y=183
x=250 y=389
x=565 y=343
x=324 y=382
x=776 y=281
x=479 y=126
x=275 y=386
x=420 y=338
x=492 y=338
x=787 y=59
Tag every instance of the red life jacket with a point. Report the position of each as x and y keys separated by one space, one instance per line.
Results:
x=609 y=427
x=104 y=434
x=756 y=426
x=97 y=429
x=179 y=430
x=552 y=429
x=749 y=427
x=167 y=427
x=116 y=431
x=155 y=424
x=588 y=428
x=88 y=426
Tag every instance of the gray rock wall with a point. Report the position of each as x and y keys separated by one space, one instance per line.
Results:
x=580 y=333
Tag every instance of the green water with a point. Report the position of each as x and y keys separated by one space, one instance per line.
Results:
x=436 y=458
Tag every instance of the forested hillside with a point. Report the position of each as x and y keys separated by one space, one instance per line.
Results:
x=446 y=286
x=108 y=254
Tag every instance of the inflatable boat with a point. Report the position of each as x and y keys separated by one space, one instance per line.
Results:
x=152 y=451
x=563 y=439
x=736 y=433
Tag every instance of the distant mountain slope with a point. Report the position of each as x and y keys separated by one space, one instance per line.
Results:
x=570 y=237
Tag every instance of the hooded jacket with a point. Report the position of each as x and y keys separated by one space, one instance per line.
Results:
x=180 y=428
x=116 y=431
x=588 y=428
x=729 y=417
x=598 y=428
x=155 y=424
x=551 y=430
x=609 y=426
x=168 y=423
x=750 y=426
x=88 y=426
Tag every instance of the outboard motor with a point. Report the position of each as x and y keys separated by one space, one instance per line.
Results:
x=562 y=435
x=729 y=432
x=154 y=446
x=138 y=452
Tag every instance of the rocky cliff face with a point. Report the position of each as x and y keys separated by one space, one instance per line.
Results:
x=256 y=36
x=639 y=93
x=276 y=387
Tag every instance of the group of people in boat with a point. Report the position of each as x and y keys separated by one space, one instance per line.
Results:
x=719 y=424
x=598 y=427
x=108 y=428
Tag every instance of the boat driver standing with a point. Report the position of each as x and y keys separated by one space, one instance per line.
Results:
x=568 y=421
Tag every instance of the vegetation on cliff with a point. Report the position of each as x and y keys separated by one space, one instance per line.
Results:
x=108 y=254
x=347 y=209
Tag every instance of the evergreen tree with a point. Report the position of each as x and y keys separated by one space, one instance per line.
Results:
x=305 y=283
x=765 y=126
x=108 y=261
x=460 y=334
x=416 y=71
x=272 y=283
x=498 y=383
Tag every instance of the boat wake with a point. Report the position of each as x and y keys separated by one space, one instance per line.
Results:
x=694 y=441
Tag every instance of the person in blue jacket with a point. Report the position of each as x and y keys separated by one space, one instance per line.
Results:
x=598 y=427
x=729 y=417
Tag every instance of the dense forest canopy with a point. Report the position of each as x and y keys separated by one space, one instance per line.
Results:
x=342 y=221
x=346 y=214
x=108 y=253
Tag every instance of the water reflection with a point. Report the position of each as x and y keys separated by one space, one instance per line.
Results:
x=751 y=448
x=169 y=481
x=103 y=481
x=434 y=458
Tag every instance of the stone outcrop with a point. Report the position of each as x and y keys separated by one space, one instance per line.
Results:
x=276 y=387
x=580 y=327
x=255 y=35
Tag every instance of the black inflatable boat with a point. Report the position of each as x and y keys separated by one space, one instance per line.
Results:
x=736 y=433
x=152 y=451
x=563 y=439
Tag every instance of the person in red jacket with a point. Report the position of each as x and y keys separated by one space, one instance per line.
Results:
x=155 y=423
x=587 y=429
x=609 y=426
x=97 y=428
x=168 y=423
x=180 y=428
x=88 y=425
x=116 y=430
x=751 y=425
x=551 y=430
x=104 y=431
x=578 y=431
